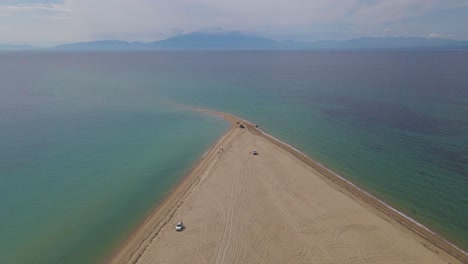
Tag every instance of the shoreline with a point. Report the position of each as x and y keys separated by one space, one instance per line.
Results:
x=138 y=241
x=375 y=203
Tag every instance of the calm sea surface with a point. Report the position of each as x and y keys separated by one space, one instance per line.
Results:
x=90 y=142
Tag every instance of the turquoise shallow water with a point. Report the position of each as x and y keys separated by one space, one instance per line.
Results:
x=84 y=159
x=89 y=142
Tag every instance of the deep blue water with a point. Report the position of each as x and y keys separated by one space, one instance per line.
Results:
x=89 y=142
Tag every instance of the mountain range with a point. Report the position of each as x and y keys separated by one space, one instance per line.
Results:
x=239 y=41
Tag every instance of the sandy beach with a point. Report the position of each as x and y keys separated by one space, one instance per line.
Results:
x=276 y=207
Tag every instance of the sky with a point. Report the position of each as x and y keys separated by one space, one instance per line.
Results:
x=52 y=22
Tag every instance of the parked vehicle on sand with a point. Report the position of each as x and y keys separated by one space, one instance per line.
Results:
x=179 y=226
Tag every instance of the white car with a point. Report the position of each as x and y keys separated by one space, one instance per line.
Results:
x=255 y=152
x=179 y=226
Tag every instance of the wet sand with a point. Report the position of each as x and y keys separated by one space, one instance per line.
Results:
x=276 y=207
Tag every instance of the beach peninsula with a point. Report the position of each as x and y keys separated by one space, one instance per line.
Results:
x=276 y=207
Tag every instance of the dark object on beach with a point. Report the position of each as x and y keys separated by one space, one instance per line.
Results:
x=255 y=152
x=242 y=126
x=256 y=125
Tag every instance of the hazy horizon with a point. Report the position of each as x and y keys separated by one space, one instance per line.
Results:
x=52 y=22
x=226 y=33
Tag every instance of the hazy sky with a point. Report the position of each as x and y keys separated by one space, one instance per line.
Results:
x=49 y=22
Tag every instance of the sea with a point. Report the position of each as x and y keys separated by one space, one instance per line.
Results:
x=90 y=142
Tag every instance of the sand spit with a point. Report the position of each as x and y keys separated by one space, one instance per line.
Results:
x=276 y=207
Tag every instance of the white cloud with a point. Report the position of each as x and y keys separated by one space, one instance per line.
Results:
x=11 y=9
x=434 y=35
x=35 y=23
x=390 y=10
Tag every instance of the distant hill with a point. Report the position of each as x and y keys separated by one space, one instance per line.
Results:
x=100 y=45
x=192 y=41
x=214 y=41
x=5 y=47
x=389 y=43
x=239 y=41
